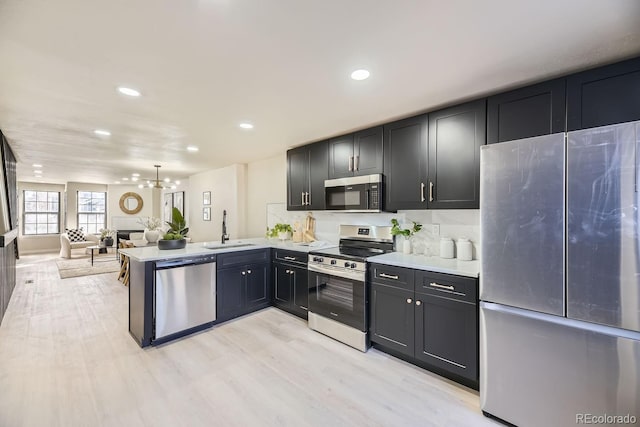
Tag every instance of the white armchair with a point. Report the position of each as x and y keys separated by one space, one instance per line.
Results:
x=66 y=245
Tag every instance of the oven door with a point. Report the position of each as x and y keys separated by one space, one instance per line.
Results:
x=337 y=298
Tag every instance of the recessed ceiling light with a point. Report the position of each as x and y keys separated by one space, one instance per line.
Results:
x=150 y=185
x=177 y=182
x=192 y=148
x=140 y=186
x=135 y=174
x=173 y=187
x=246 y=125
x=36 y=165
x=360 y=75
x=124 y=178
x=102 y=132
x=128 y=91
x=117 y=182
x=167 y=180
x=37 y=171
x=134 y=178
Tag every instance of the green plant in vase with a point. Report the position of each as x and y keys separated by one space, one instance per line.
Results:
x=281 y=231
x=396 y=230
x=174 y=238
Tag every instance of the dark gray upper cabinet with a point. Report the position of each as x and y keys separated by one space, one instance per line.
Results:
x=297 y=177
x=455 y=137
x=604 y=96
x=405 y=163
x=307 y=168
x=526 y=112
x=356 y=154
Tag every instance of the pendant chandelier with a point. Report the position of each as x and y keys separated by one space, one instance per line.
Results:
x=164 y=184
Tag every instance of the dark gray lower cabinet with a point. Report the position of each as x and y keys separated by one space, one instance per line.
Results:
x=243 y=283
x=290 y=282
x=429 y=319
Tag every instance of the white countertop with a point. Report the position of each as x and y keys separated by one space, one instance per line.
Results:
x=152 y=253
x=429 y=263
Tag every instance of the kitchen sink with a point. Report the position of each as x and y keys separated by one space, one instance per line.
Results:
x=228 y=245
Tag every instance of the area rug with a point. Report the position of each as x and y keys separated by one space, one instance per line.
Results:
x=82 y=266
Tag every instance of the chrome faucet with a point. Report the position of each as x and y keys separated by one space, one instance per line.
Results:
x=225 y=236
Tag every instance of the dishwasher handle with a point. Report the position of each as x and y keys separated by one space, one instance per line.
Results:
x=183 y=262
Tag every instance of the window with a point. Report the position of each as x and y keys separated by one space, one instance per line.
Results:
x=41 y=212
x=91 y=211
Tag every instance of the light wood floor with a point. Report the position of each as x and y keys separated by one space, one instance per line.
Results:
x=66 y=359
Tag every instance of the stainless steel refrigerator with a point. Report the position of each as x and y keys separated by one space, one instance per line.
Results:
x=560 y=278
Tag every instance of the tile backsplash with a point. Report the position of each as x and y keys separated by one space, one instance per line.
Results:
x=453 y=224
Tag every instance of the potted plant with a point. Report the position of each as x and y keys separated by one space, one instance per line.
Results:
x=174 y=238
x=151 y=228
x=106 y=237
x=396 y=230
x=281 y=231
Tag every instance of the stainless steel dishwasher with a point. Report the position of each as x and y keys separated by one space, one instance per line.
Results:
x=185 y=294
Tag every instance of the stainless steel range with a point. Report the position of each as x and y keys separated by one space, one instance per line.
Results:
x=338 y=295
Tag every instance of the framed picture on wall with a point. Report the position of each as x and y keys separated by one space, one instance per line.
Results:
x=178 y=201
x=206 y=198
x=206 y=213
x=168 y=207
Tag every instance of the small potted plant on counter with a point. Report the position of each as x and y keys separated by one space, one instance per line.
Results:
x=106 y=237
x=396 y=230
x=281 y=231
x=174 y=238
x=151 y=228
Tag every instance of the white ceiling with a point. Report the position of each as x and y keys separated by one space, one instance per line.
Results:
x=204 y=66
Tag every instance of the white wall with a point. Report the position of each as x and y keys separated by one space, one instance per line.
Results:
x=37 y=244
x=228 y=192
x=266 y=184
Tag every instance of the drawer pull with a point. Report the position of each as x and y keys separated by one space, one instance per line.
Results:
x=447 y=287
x=290 y=258
x=388 y=276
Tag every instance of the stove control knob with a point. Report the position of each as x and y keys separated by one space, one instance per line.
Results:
x=334 y=262
x=317 y=259
x=346 y=264
x=353 y=265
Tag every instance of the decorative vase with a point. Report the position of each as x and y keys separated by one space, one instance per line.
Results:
x=151 y=236
x=172 y=244
x=108 y=241
x=283 y=235
x=406 y=246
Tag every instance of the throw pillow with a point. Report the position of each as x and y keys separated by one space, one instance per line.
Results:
x=75 y=235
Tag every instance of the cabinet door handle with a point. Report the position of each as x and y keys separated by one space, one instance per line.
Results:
x=290 y=258
x=308 y=199
x=351 y=164
x=409 y=300
x=292 y=272
x=302 y=198
x=437 y=285
x=388 y=276
x=430 y=191
x=248 y=271
x=422 y=191
x=244 y=273
x=418 y=302
x=287 y=271
x=357 y=166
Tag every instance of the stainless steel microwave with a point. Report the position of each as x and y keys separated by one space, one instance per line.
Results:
x=354 y=194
